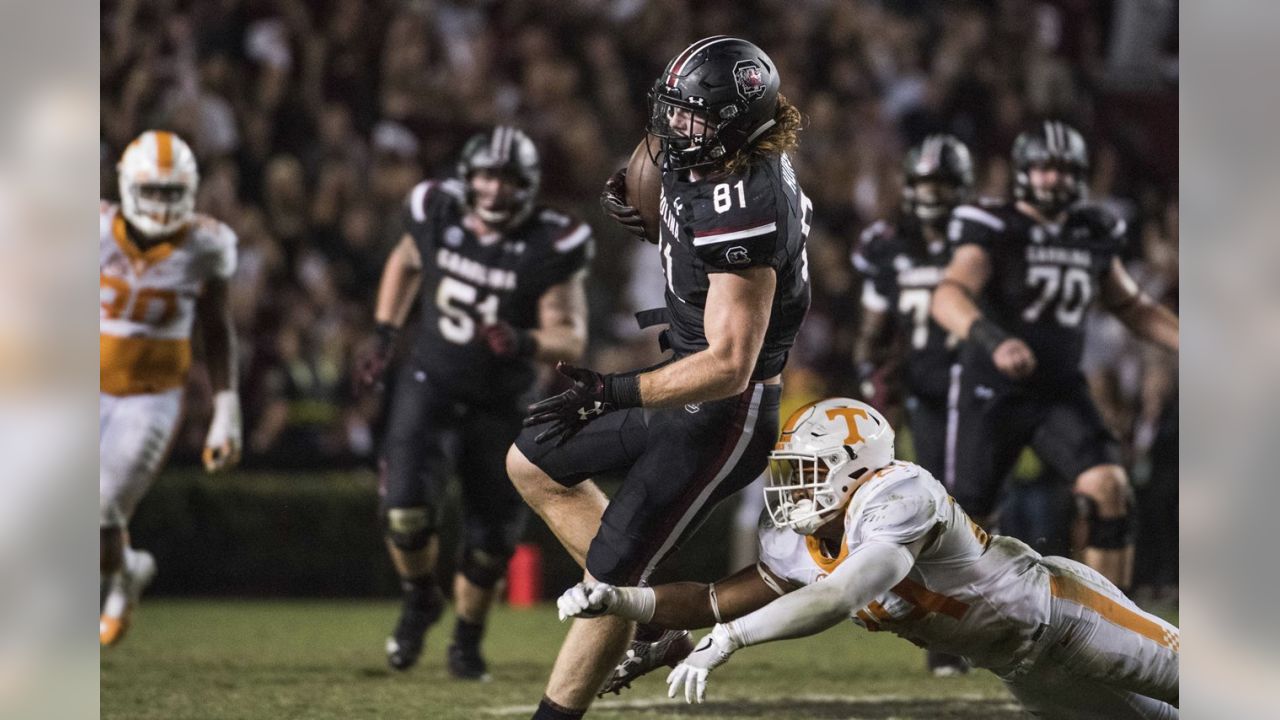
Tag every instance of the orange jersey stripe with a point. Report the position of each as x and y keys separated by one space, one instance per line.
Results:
x=136 y=366
x=921 y=596
x=827 y=564
x=164 y=150
x=1113 y=612
x=137 y=256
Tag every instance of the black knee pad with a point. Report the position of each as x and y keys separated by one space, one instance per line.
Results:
x=1111 y=533
x=410 y=529
x=484 y=567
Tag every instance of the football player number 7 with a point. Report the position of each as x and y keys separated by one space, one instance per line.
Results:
x=457 y=301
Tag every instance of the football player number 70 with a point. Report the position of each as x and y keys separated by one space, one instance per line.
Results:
x=457 y=301
x=1070 y=287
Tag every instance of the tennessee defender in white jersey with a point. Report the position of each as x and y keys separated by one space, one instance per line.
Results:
x=162 y=267
x=853 y=534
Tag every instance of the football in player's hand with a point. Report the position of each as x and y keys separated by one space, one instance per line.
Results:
x=644 y=182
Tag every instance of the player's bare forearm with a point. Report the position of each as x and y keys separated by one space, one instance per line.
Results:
x=1152 y=322
x=218 y=331
x=700 y=377
x=401 y=277
x=953 y=302
x=688 y=605
x=1143 y=316
x=561 y=335
x=735 y=321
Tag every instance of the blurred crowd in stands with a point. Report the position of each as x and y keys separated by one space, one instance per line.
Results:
x=312 y=119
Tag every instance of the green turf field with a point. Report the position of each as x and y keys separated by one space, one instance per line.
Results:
x=323 y=659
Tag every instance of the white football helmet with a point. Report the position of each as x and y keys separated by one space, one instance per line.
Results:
x=158 y=181
x=824 y=449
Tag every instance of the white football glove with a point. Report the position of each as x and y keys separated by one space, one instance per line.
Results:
x=712 y=651
x=586 y=600
x=223 y=443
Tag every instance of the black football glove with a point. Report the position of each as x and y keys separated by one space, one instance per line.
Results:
x=506 y=341
x=614 y=201
x=373 y=362
x=877 y=385
x=571 y=410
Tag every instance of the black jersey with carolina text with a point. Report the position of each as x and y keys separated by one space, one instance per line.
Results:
x=901 y=271
x=470 y=282
x=1043 y=279
x=758 y=216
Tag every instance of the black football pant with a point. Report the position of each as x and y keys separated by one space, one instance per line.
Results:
x=989 y=425
x=679 y=462
x=431 y=433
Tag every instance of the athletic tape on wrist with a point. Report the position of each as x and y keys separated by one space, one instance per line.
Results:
x=715 y=602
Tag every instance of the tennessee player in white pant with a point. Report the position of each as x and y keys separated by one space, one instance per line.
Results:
x=894 y=552
x=162 y=267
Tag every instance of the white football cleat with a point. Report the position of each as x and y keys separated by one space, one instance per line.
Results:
x=117 y=610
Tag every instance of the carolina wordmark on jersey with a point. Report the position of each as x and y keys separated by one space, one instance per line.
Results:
x=901 y=270
x=470 y=282
x=1043 y=278
x=756 y=217
x=147 y=300
x=968 y=593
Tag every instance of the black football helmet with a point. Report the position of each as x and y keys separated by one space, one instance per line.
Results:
x=1051 y=144
x=507 y=151
x=940 y=159
x=725 y=84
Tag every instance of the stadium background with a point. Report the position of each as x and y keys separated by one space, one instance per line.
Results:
x=312 y=120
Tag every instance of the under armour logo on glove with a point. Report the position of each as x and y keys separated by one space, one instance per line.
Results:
x=571 y=410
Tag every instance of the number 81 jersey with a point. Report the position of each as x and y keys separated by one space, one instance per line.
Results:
x=1043 y=279
x=470 y=282
x=147 y=300
x=757 y=216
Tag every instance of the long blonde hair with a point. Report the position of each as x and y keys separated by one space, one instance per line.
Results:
x=781 y=138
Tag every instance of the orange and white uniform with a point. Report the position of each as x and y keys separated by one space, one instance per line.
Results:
x=1064 y=639
x=147 y=310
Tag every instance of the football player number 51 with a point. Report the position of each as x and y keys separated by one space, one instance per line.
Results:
x=456 y=301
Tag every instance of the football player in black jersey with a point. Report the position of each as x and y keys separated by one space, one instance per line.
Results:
x=697 y=428
x=501 y=282
x=1021 y=277
x=901 y=265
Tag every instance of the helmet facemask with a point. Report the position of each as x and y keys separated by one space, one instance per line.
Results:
x=159 y=206
x=805 y=491
x=931 y=199
x=689 y=135
x=1053 y=200
x=511 y=207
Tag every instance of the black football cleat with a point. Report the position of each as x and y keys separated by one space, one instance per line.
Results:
x=465 y=663
x=404 y=647
x=643 y=658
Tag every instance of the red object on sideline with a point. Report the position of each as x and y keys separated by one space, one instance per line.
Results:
x=524 y=576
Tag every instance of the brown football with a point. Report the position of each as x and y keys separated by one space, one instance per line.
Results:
x=644 y=184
